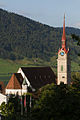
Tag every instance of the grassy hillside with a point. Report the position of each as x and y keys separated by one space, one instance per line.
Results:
x=7 y=67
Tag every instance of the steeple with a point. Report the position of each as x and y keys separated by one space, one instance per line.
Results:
x=64 y=35
x=63 y=61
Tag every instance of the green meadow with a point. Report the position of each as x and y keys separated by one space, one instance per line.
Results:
x=7 y=67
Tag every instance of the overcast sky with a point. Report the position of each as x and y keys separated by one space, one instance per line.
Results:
x=49 y=12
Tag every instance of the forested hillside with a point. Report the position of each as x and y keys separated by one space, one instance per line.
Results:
x=22 y=37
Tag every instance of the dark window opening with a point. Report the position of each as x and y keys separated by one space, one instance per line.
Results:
x=63 y=76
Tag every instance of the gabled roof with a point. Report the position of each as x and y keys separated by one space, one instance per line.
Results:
x=15 y=82
x=39 y=76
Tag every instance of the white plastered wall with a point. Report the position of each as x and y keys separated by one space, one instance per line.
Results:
x=3 y=98
x=62 y=60
x=15 y=91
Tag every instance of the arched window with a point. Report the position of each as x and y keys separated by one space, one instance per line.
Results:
x=61 y=67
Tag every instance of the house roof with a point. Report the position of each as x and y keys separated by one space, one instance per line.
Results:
x=15 y=82
x=39 y=76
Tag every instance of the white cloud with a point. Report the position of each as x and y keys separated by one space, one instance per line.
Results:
x=77 y=25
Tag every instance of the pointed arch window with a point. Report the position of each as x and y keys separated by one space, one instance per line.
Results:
x=61 y=67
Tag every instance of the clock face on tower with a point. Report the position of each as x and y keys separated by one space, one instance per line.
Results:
x=61 y=53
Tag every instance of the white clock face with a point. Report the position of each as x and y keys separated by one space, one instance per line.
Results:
x=61 y=53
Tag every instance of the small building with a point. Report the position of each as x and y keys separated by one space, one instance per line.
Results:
x=30 y=79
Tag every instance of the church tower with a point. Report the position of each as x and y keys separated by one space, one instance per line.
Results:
x=63 y=61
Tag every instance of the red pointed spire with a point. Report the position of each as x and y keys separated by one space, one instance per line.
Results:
x=64 y=39
x=64 y=35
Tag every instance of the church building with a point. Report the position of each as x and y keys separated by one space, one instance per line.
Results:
x=63 y=61
x=30 y=79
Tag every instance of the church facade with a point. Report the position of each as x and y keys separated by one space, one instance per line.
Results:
x=63 y=62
